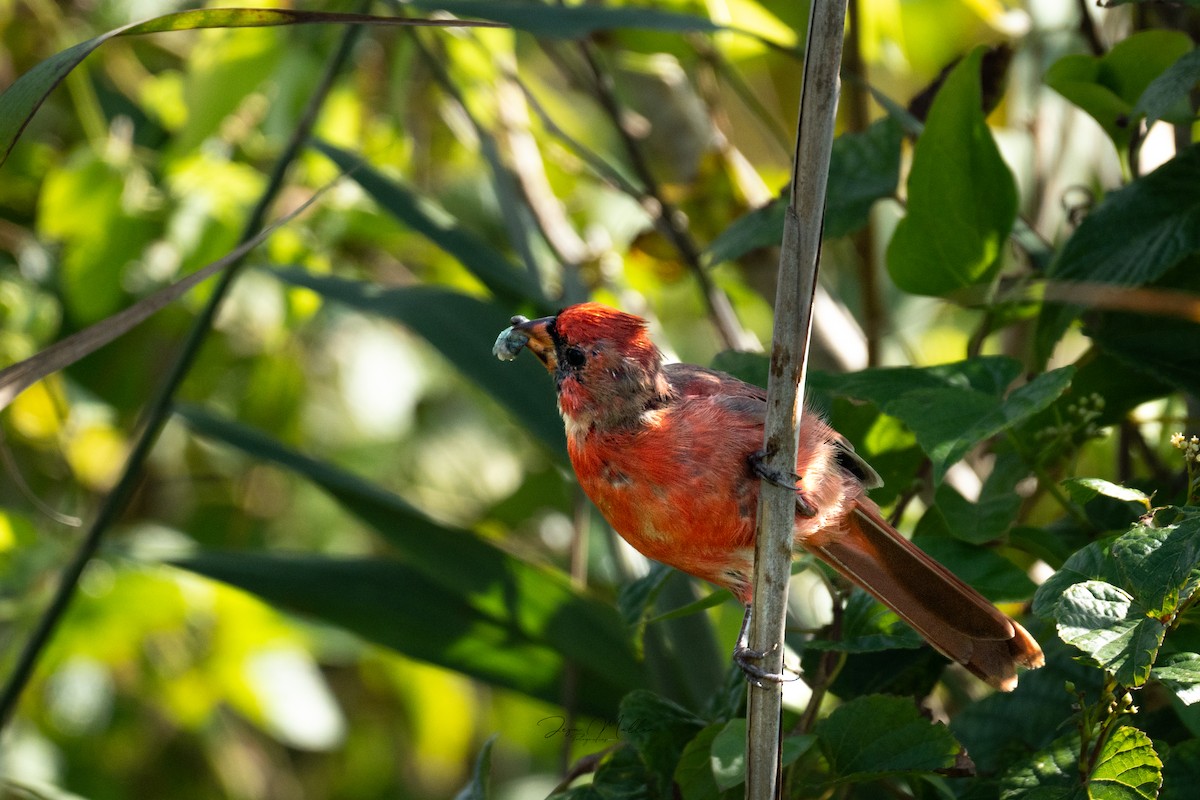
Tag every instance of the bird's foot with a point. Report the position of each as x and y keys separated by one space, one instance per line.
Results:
x=787 y=480
x=745 y=658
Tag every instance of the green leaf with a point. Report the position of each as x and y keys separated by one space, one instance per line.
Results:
x=1132 y=238
x=659 y=730
x=1081 y=490
x=1166 y=96
x=879 y=735
x=949 y=422
x=1164 y=348
x=863 y=168
x=1088 y=563
x=571 y=22
x=1181 y=772
x=868 y=626
x=1159 y=564
x=1128 y=768
x=983 y=521
x=21 y=99
x=1181 y=674
x=398 y=606
x=481 y=779
x=1108 y=624
x=1108 y=87
x=728 y=752
x=503 y=278
x=1049 y=774
x=463 y=329
x=695 y=772
x=962 y=199
x=497 y=587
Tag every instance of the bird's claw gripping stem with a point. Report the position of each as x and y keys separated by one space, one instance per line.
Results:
x=745 y=656
x=787 y=480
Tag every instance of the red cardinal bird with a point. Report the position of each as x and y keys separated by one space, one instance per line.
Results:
x=669 y=454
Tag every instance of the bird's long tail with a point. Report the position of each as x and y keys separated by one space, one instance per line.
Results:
x=953 y=617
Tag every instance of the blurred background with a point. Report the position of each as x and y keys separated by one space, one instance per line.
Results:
x=523 y=171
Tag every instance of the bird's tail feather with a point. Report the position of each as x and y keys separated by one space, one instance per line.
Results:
x=953 y=617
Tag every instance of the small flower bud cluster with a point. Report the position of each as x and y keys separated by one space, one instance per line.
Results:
x=1190 y=447
x=1080 y=418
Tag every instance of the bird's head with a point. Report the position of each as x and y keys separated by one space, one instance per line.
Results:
x=606 y=369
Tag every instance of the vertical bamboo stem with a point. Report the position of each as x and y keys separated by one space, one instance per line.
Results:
x=798 y=265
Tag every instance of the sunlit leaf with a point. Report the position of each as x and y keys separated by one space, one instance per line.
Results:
x=1082 y=490
x=1108 y=624
x=1181 y=674
x=20 y=376
x=20 y=100
x=571 y=21
x=1108 y=87
x=1127 y=768
x=962 y=199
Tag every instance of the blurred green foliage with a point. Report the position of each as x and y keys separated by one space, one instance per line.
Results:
x=415 y=568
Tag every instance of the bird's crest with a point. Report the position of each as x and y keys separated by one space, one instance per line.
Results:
x=593 y=322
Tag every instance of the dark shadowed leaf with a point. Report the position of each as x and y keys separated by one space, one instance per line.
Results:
x=878 y=735
x=503 y=278
x=500 y=589
x=1132 y=238
x=464 y=329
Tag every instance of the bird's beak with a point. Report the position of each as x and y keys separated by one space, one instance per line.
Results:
x=532 y=333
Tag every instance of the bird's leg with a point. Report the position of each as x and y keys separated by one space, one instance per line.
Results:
x=787 y=480
x=745 y=657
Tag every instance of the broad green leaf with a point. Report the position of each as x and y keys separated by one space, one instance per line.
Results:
x=949 y=422
x=495 y=585
x=480 y=786
x=979 y=522
x=659 y=730
x=1049 y=774
x=1108 y=624
x=1166 y=95
x=1081 y=490
x=1181 y=772
x=1160 y=564
x=1167 y=349
x=1108 y=87
x=695 y=773
x=1181 y=674
x=1091 y=562
x=571 y=21
x=503 y=278
x=863 y=168
x=993 y=575
x=878 y=735
x=729 y=752
x=621 y=776
x=962 y=199
x=463 y=329
x=21 y=99
x=1132 y=238
x=396 y=605
x=1128 y=768
x=869 y=626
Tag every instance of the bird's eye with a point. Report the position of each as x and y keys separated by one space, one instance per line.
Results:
x=574 y=357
